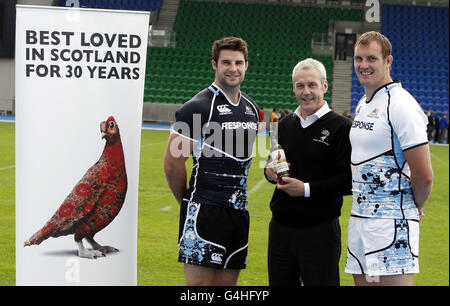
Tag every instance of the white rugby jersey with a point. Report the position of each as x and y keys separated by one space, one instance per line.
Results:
x=390 y=123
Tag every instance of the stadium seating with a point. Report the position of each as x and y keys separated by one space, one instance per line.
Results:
x=278 y=37
x=419 y=37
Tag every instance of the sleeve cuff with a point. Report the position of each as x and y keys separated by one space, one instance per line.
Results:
x=307 y=191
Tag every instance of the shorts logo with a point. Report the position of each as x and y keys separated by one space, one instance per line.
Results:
x=224 y=110
x=216 y=258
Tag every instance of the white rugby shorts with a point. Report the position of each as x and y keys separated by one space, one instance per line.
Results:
x=378 y=247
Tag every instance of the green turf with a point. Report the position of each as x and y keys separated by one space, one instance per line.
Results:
x=158 y=219
x=158 y=216
x=7 y=196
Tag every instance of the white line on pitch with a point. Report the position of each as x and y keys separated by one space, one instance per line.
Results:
x=256 y=187
x=434 y=156
x=6 y=168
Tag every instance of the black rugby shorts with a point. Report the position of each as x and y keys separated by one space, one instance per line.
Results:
x=213 y=236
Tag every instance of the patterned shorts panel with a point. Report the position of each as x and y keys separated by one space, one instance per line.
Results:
x=382 y=246
x=213 y=236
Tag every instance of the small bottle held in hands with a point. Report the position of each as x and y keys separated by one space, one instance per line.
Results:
x=279 y=159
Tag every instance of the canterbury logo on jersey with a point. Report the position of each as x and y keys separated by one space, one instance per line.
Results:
x=239 y=125
x=223 y=109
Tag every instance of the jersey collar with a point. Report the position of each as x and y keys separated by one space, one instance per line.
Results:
x=216 y=90
x=387 y=87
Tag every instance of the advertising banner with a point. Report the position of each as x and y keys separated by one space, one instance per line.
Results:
x=79 y=93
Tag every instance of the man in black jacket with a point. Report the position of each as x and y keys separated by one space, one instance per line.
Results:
x=430 y=125
x=304 y=233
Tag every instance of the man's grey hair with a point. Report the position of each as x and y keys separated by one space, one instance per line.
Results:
x=310 y=63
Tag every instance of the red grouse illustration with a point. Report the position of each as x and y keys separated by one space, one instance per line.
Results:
x=94 y=201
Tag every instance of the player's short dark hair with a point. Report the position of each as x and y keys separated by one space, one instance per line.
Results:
x=366 y=38
x=229 y=43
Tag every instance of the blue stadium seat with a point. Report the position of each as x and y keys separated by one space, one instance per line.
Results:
x=419 y=36
x=115 y=4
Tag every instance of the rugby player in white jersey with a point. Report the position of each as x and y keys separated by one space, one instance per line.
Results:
x=391 y=172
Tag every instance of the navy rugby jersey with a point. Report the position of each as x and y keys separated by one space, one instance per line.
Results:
x=223 y=134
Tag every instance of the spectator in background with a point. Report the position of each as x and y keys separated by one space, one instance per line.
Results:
x=347 y=114
x=443 y=128
x=437 y=129
x=279 y=115
x=261 y=119
x=261 y=114
x=275 y=115
x=430 y=126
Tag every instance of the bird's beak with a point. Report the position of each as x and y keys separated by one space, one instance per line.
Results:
x=103 y=129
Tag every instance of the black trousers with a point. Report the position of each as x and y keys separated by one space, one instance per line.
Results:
x=307 y=256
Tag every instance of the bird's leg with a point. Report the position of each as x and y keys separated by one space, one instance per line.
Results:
x=98 y=247
x=85 y=253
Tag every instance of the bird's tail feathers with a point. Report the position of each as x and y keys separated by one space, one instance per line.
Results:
x=35 y=239
x=41 y=235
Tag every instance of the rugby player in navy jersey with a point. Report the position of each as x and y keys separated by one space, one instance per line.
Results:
x=217 y=127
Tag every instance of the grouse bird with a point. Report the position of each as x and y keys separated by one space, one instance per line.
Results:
x=94 y=201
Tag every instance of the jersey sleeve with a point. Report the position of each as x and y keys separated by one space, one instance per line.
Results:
x=190 y=119
x=408 y=120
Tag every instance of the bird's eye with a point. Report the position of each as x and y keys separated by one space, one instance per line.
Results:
x=111 y=124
